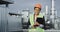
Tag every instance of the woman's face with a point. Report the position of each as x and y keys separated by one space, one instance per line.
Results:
x=36 y=11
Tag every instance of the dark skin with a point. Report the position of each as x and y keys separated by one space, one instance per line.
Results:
x=36 y=13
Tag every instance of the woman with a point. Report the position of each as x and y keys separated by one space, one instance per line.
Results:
x=33 y=17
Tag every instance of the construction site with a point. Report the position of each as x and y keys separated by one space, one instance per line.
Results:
x=14 y=15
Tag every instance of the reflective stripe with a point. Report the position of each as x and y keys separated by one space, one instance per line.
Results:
x=31 y=20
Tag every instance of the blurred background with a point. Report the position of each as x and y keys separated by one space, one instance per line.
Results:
x=14 y=14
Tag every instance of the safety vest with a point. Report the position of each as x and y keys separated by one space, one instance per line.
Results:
x=38 y=29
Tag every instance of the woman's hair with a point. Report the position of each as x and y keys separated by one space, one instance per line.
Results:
x=37 y=7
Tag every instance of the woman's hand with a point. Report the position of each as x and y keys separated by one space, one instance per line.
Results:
x=36 y=23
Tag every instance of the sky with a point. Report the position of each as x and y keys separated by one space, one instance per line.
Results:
x=19 y=5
